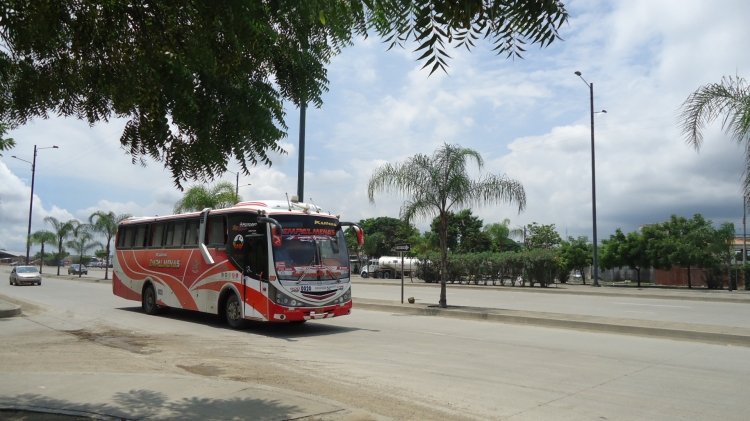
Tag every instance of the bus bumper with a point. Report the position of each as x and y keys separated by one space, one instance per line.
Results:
x=285 y=314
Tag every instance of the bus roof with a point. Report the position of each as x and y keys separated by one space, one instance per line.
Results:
x=269 y=207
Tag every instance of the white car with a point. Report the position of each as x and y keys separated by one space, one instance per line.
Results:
x=25 y=275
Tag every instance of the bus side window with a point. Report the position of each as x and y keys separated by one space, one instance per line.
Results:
x=157 y=233
x=120 y=238
x=141 y=232
x=191 y=232
x=216 y=231
x=179 y=234
x=129 y=237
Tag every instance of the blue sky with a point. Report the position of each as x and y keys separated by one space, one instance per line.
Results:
x=528 y=118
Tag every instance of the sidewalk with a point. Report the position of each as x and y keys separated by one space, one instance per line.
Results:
x=9 y=309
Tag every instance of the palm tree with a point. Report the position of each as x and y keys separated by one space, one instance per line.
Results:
x=106 y=224
x=221 y=195
x=82 y=242
x=503 y=235
x=730 y=99
x=42 y=237
x=62 y=231
x=436 y=184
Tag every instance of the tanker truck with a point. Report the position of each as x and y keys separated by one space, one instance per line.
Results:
x=389 y=267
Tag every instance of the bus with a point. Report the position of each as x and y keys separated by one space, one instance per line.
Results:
x=270 y=261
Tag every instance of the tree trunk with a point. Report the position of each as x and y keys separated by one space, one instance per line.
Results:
x=638 y=275
x=106 y=262
x=443 y=303
x=41 y=262
x=59 y=256
x=690 y=283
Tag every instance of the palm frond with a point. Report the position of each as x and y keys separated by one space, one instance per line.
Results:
x=730 y=98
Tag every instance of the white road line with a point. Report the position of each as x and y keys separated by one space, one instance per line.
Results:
x=650 y=305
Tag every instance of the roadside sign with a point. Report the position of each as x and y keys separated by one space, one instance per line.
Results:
x=402 y=247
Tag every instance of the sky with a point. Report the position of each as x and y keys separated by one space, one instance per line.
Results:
x=529 y=119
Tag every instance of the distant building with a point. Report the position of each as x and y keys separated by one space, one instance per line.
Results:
x=7 y=257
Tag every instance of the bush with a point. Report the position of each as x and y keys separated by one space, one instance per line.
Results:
x=537 y=266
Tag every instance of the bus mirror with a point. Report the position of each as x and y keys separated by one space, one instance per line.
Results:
x=276 y=229
x=357 y=230
x=360 y=236
x=275 y=237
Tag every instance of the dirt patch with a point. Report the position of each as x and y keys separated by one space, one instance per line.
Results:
x=202 y=369
x=120 y=339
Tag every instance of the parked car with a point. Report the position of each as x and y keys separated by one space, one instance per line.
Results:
x=76 y=269
x=25 y=275
x=96 y=264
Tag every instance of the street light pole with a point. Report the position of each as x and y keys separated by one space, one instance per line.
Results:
x=301 y=159
x=595 y=268
x=236 y=182
x=31 y=199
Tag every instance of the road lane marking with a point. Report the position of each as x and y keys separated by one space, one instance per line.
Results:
x=650 y=305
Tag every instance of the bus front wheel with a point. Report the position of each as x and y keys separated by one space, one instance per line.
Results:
x=148 y=300
x=233 y=312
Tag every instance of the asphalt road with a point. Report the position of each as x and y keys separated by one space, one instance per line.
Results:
x=77 y=346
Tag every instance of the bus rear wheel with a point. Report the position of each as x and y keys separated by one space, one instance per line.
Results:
x=233 y=312
x=148 y=300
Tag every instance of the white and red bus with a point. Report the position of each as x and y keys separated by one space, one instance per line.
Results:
x=274 y=261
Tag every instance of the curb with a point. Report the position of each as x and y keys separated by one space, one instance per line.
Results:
x=680 y=331
x=8 y=309
x=738 y=296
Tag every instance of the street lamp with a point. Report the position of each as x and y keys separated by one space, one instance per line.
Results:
x=31 y=200
x=245 y=185
x=595 y=269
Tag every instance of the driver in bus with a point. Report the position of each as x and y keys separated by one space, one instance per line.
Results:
x=295 y=253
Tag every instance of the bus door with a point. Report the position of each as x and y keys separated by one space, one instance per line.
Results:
x=246 y=248
x=255 y=277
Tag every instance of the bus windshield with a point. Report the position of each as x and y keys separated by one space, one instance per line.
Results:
x=312 y=257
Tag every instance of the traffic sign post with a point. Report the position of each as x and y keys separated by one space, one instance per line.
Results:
x=401 y=249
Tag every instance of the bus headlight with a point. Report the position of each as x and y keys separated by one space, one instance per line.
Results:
x=285 y=300
x=343 y=299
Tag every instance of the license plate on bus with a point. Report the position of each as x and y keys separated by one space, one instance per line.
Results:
x=316 y=288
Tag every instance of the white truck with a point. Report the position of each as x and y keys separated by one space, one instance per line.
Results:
x=389 y=267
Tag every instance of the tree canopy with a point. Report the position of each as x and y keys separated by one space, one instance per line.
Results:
x=465 y=234
x=6 y=143
x=384 y=233
x=683 y=242
x=576 y=255
x=196 y=198
x=201 y=83
x=541 y=236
